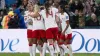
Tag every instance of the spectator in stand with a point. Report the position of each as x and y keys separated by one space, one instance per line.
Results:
x=42 y=2
x=6 y=19
x=77 y=5
x=14 y=23
x=14 y=6
x=93 y=21
x=20 y=18
x=2 y=4
x=18 y=3
x=75 y=20
x=81 y=20
x=9 y=3
x=80 y=7
x=23 y=6
x=24 y=3
x=1 y=16
x=34 y=1
x=74 y=6
x=97 y=11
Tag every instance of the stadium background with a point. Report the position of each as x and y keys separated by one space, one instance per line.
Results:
x=84 y=29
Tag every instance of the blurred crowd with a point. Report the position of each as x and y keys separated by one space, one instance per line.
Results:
x=83 y=13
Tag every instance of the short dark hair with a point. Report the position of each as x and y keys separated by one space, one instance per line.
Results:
x=62 y=7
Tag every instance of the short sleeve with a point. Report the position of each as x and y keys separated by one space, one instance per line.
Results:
x=55 y=10
x=42 y=12
x=66 y=17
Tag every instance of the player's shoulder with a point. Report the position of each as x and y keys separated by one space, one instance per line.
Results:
x=66 y=14
x=26 y=12
x=42 y=11
x=54 y=9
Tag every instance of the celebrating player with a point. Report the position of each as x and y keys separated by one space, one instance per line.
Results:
x=38 y=31
x=50 y=25
x=66 y=33
x=29 y=24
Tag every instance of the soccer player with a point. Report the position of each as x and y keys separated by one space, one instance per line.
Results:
x=39 y=31
x=29 y=24
x=50 y=24
x=66 y=33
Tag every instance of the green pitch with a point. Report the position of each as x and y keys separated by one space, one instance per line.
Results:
x=26 y=54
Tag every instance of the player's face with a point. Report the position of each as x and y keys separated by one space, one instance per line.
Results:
x=59 y=9
x=30 y=7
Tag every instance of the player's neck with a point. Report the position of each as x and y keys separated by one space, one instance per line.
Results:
x=62 y=13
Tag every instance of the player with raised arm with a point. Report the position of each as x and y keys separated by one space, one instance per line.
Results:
x=29 y=24
x=39 y=31
x=50 y=24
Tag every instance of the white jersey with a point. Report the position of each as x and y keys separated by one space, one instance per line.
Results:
x=27 y=20
x=38 y=23
x=50 y=19
x=63 y=19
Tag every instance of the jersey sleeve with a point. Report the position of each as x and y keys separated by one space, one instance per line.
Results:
x=66 y=17
x=55 y=10
x=42 y=13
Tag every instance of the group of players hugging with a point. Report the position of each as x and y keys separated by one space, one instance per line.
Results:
x=48 y=28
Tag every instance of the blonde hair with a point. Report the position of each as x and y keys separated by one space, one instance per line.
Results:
x=36 y=8
x=10 y=13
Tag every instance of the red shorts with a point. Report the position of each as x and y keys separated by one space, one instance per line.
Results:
x=66 y=37
x=61 y=36
x=39 y=34
x=52 y=33
x=29 y=33
x=69 y=38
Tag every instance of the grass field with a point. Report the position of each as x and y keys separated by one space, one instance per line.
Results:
x=26 y=54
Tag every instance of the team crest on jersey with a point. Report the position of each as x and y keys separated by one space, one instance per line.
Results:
x=67 y=17
x=30 y=22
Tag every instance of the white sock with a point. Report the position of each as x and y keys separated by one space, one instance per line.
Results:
x=34 y=49
x=30 y=51
x=44 y=49
x=70 y=48
x=40 y=49
x=62 y=52
x=48 y=48
x=56 y=47
x=66 y=49
x=51 y=48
